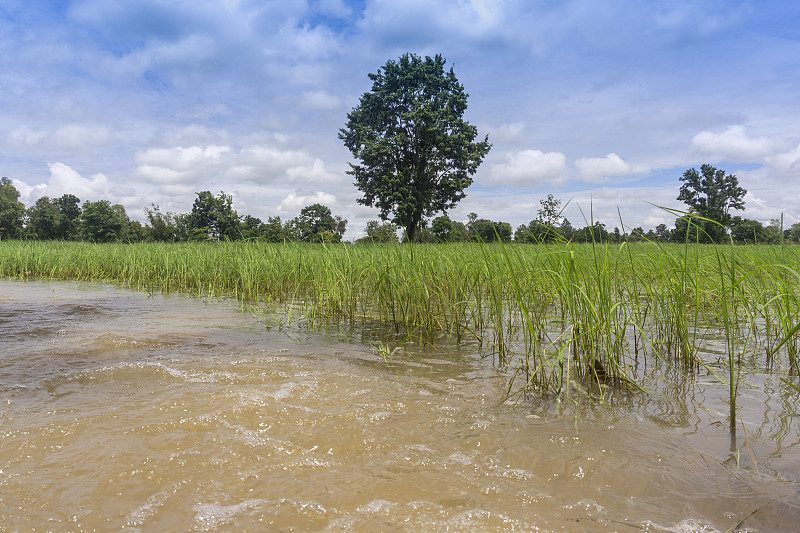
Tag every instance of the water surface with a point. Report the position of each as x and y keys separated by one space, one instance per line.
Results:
x=122 y=411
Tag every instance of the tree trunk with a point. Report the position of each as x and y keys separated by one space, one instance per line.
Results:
x=411 y=231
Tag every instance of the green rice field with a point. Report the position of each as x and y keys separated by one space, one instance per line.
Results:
x=580 y=320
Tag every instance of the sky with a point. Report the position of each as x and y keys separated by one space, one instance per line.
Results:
x=603 y=104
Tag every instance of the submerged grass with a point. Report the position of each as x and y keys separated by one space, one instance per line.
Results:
x=563 y=318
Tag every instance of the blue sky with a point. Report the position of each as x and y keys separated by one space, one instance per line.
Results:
x=601 y=103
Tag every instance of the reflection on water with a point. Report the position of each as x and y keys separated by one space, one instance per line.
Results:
x=120 y=411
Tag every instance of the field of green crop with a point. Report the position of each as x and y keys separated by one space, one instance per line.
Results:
x=557 y=316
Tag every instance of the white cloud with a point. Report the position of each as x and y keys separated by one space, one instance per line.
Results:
x=735 y=145
x=314 y=173
x=178 y=164
x=321 y=100
x=309 y=43
x=507 y=132
x=530 y=168
x=293 y=202
x=73 y=137
x=65 y=180
x=260 y=164
x=26 y=135
x=786 y=162
x=597 y=169
x=268 y=164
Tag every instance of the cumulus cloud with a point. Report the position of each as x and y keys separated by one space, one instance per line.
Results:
x=66 y=180
x=178 y=164
x=735 y=145
x=269 y=163
x=597 y=169
x=314 y=173
x=259 y=164
x=530 y=168
x=786 y=163
x=294 y=202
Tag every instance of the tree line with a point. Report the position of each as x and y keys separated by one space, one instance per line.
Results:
x=213 y=218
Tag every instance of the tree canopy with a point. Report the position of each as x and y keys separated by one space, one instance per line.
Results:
x=417 y=153
x=103 y=222
x=316 y=223
x=213 y=217
x=711 y=194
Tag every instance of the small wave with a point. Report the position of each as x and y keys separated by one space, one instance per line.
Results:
x=210 y=516
x=139 y=516
x=689 y=525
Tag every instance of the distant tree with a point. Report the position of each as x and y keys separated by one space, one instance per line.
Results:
x=774 y=231
x=637 y=234
x=489 y=231
x=545 y=227
x=44 y=219
x=377 y=232
x=535 y=232
x=102 y=222
x=549 y=213
x=446 y=230
x=275 y=231
x=566 y=230
x=441 y=228
x=662 y=233
x=792 y=234
x=136 y=232
x=213 y=217
x=70 y=209
x=417 y=153
x=594 y=233
x=711 y=194
x=316 y=223
x=686 y=230
x=250 y=228
x=161 y=227
x=185 y=231
x=747 y=231
x=12 y=211
x=129 y=231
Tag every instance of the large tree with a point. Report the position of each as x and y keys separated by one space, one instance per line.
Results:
x=417 y=153
x=711 y=194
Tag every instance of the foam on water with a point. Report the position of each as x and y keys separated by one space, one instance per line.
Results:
x=169 y=414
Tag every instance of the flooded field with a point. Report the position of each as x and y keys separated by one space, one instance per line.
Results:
x=122 y=411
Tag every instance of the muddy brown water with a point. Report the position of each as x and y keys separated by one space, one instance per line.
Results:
x=122 y=411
